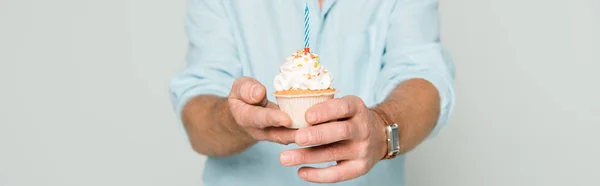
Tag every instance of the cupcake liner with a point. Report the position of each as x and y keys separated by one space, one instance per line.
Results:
x=297 y=105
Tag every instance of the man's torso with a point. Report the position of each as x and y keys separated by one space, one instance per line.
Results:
x=349 y=36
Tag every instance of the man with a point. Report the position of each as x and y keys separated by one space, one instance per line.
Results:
x=385 y=57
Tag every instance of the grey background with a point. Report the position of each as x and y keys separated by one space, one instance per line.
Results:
x=84 y=100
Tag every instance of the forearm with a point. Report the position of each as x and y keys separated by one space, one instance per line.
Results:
x=415 y=106
x=211 y=128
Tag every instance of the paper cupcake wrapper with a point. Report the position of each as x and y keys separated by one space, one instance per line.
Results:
x=296 y=106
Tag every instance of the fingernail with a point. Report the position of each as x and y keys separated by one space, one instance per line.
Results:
x=286 y=158
x=311 y=117
x=254 y=92
x=302 y=138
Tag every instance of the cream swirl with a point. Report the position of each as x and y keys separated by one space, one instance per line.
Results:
x=302 y=71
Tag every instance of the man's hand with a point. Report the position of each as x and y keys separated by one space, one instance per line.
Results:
x=345 y=131
x=256 y=115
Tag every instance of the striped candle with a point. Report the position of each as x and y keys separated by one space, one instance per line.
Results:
x=306 y=27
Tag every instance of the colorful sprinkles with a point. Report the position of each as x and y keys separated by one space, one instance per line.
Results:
x=306 y=57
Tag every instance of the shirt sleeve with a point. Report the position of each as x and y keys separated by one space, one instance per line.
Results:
x=413 y=50
x=212 y=63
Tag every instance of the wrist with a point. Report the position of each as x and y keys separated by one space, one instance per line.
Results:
x=391 y=134
x=380 y=129
x=232 y=126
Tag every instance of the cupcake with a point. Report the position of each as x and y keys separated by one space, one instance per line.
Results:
x=302 y=83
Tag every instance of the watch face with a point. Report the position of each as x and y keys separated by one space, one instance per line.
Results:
x=395 y=139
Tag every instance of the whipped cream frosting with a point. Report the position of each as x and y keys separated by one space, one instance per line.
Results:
x=302 y=71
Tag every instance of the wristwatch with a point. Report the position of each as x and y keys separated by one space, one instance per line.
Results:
x=391 y=131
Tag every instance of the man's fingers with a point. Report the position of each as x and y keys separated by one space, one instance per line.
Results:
x=325 y=133
x=279 y=135
x=318 y=154
x=344 y=170
x=259 y=117
x=249 y=91
x=246 y=101
x=333 y=109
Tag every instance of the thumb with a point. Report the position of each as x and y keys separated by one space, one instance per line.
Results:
x=249 y=90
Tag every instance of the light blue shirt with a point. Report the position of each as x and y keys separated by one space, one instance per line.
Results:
x=368 y=46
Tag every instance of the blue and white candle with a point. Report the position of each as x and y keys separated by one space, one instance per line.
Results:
x=306 y=28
